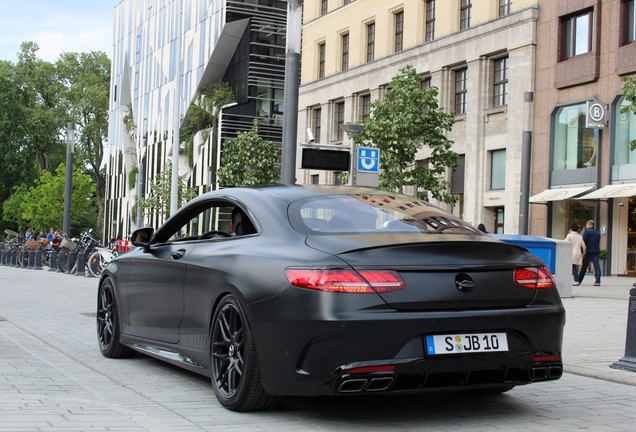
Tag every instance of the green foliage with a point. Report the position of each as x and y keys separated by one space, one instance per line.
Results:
x=629 y=92
x=132 y=177
x=37 y=101
x=42 y=205
x=407 y=120
x=204 y=114
x=249 y=160
x=158 y=201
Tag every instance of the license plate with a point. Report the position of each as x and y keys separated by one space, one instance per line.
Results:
x=466 y=343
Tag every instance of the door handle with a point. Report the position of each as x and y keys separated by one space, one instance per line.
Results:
x=178 y=254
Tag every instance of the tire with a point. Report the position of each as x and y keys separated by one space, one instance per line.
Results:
x=234 y=368
x=62 y=260
x=108 y=332
x=96 y=264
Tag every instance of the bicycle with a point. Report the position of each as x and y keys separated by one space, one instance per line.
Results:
x=99 y=259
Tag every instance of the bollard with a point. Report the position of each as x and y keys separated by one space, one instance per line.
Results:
x=25 y=259
x=81 y=265
x=37 y=262
x=53 y=260
x=628 y=362
x=31 y=259
x=72 y=257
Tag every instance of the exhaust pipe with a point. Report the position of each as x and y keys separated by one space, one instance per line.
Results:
x=379 y=384
x=555 y=372
x=352 y=385
x=540 y=373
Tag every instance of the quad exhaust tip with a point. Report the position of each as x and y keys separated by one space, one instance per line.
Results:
x=357 y=385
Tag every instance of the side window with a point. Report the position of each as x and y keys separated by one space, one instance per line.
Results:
x=205 y=220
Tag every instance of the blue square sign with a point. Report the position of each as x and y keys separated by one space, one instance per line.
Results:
x=368 y=160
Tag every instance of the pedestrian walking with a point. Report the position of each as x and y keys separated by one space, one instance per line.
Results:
x=578 y=251
x=592 y=239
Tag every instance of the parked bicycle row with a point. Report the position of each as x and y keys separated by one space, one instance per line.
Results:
x=85 y=256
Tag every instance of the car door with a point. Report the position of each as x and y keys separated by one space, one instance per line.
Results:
x=155 y=291
x=156 y=278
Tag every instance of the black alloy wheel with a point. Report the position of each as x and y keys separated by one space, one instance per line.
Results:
x=235 y=371
x=108 y=323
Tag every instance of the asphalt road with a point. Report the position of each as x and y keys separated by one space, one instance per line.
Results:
x=53 y=378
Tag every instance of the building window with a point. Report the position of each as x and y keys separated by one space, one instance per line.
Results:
x=498 y=169
x=365 y=107
x=628 y=22
x=315 y=179
x=576 y=34
x=505 y=7
x=430 y=21
x=370 y=42
x=339 y=116
x=460 y=90
x=625 y=131
x=425 y=83
x=574 y=145
x=500 y=82
x=345 y=52
x=499 y=220
x=315 y=123
x=399 y=31
x=464 y=14
x=321 y=60
x=323 y=7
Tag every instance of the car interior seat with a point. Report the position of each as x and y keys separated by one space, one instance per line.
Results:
x=241 y=223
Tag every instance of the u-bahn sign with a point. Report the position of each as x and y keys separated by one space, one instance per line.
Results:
x=595 y=114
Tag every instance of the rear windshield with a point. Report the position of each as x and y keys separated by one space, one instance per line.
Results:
x=373 y=214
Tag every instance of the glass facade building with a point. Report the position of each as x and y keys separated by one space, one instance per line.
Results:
x=167 y=56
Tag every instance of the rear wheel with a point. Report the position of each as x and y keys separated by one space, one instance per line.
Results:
x=108 y=323
x=235 y=371
x=62 y=260
x=96 y=263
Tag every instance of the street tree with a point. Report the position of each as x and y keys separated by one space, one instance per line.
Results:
x=41 y=205
x=407 y=120
x=157 y=202
x=249 y=160
x=85 y=86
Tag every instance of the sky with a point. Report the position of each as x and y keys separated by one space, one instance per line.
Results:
x=56 y=26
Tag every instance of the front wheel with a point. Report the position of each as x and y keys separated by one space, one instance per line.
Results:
x=108 y=323
x=235 y=371
x=96 y=263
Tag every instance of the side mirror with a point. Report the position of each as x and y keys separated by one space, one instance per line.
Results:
x=142 y=236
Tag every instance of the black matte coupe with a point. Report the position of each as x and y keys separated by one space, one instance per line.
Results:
x=317 y=290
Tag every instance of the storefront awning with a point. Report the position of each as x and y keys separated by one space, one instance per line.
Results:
x=612 y=191
x=558 y=194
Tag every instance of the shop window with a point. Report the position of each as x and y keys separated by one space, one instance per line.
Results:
x=499 y=220
x=625 y=131
x=574 y=145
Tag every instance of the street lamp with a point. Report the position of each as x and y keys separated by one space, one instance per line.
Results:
x=68 y=186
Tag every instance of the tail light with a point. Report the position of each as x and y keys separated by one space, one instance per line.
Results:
x=346 y=281
x=534 y=278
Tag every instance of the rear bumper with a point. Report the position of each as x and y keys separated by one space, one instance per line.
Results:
x=314 y=357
